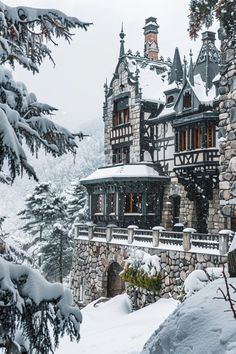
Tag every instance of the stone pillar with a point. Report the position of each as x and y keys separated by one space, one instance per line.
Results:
x=156 y=230
x=90 y=231
x=187 y=238
x=224 y=241
x=76 y=227
x=109 y=232
x=131 y=229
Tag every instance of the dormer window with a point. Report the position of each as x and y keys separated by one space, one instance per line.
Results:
x=170 y=99
x=187 y=100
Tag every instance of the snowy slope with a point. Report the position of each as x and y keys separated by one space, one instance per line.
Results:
x=111 y=328
x=201 y=325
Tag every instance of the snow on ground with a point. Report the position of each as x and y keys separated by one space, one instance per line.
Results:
x=203 y=324
x=111 y=327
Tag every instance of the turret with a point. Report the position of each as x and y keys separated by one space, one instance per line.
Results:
x=151 y=49
x=207 y=64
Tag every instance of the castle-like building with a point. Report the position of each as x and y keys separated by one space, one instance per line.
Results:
x=161 y=140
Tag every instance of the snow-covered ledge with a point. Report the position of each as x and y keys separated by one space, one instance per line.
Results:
x=158 y=237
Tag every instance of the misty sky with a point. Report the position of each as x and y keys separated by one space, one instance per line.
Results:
x=75 y=85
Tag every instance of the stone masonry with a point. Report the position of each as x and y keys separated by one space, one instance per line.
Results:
x=227 y=128
x=93 y=258
x=187 y=217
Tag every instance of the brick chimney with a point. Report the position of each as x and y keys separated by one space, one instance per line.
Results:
x=151 y=49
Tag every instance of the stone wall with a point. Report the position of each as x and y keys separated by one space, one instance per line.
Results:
x=134 y=111
x=227 y=128
x=92 y=260
x=216 y=221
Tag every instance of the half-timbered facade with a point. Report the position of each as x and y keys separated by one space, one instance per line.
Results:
x=161 y=149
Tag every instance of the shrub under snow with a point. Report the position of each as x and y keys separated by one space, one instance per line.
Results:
x=142 y=270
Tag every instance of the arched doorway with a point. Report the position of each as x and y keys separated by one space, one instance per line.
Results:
x=115 y=285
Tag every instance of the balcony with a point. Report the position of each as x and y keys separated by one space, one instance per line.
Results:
x=121 y=131
x=208 y=157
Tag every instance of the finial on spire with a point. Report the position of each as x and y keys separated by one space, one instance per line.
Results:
x=105 y=87
x=190 y=71
x=122 y=36
x=185 y=69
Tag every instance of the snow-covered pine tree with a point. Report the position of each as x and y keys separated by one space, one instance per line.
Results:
x=43 y=208
x=25 y=35
x=31 y=308
x=57 y=254
x=33 y=312
x=77 y=203
x=203 y=12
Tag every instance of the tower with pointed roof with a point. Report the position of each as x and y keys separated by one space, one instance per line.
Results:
x=207 y=64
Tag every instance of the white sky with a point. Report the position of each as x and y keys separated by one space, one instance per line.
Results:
x=75 y=85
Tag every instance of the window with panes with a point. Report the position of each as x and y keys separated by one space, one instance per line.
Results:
x=111 y=203
x=121 y=155
x=121 y=112
x=99 y=203
x=151 y=203
x=187 y=100
x=133 y=203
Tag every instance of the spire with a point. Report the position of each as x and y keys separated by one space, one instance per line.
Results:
x=122 y=47
x=207 y=64
x=105 y=102
x=176 y=73
x=105 y=87
x=190 y=71
x=185 y=70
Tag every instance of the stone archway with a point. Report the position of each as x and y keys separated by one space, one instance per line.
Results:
x=115 y=285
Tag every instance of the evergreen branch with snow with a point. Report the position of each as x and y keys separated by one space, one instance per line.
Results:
x=203 y=12
x=33 y=306
x=25 y=34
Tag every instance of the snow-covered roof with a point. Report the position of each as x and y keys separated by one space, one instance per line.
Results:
x=140 y=170
x=151 y=82
x=173 y=86
x=199 y=89
x=216 y=78
x=167 y=111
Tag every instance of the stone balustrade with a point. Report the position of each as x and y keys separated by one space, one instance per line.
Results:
x=188 y=240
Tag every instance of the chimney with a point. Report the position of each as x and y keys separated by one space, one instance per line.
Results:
x=151 y=49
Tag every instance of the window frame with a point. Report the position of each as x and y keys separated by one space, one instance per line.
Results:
x=134 y=207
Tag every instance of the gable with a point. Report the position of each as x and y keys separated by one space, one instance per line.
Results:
x=187 y=100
